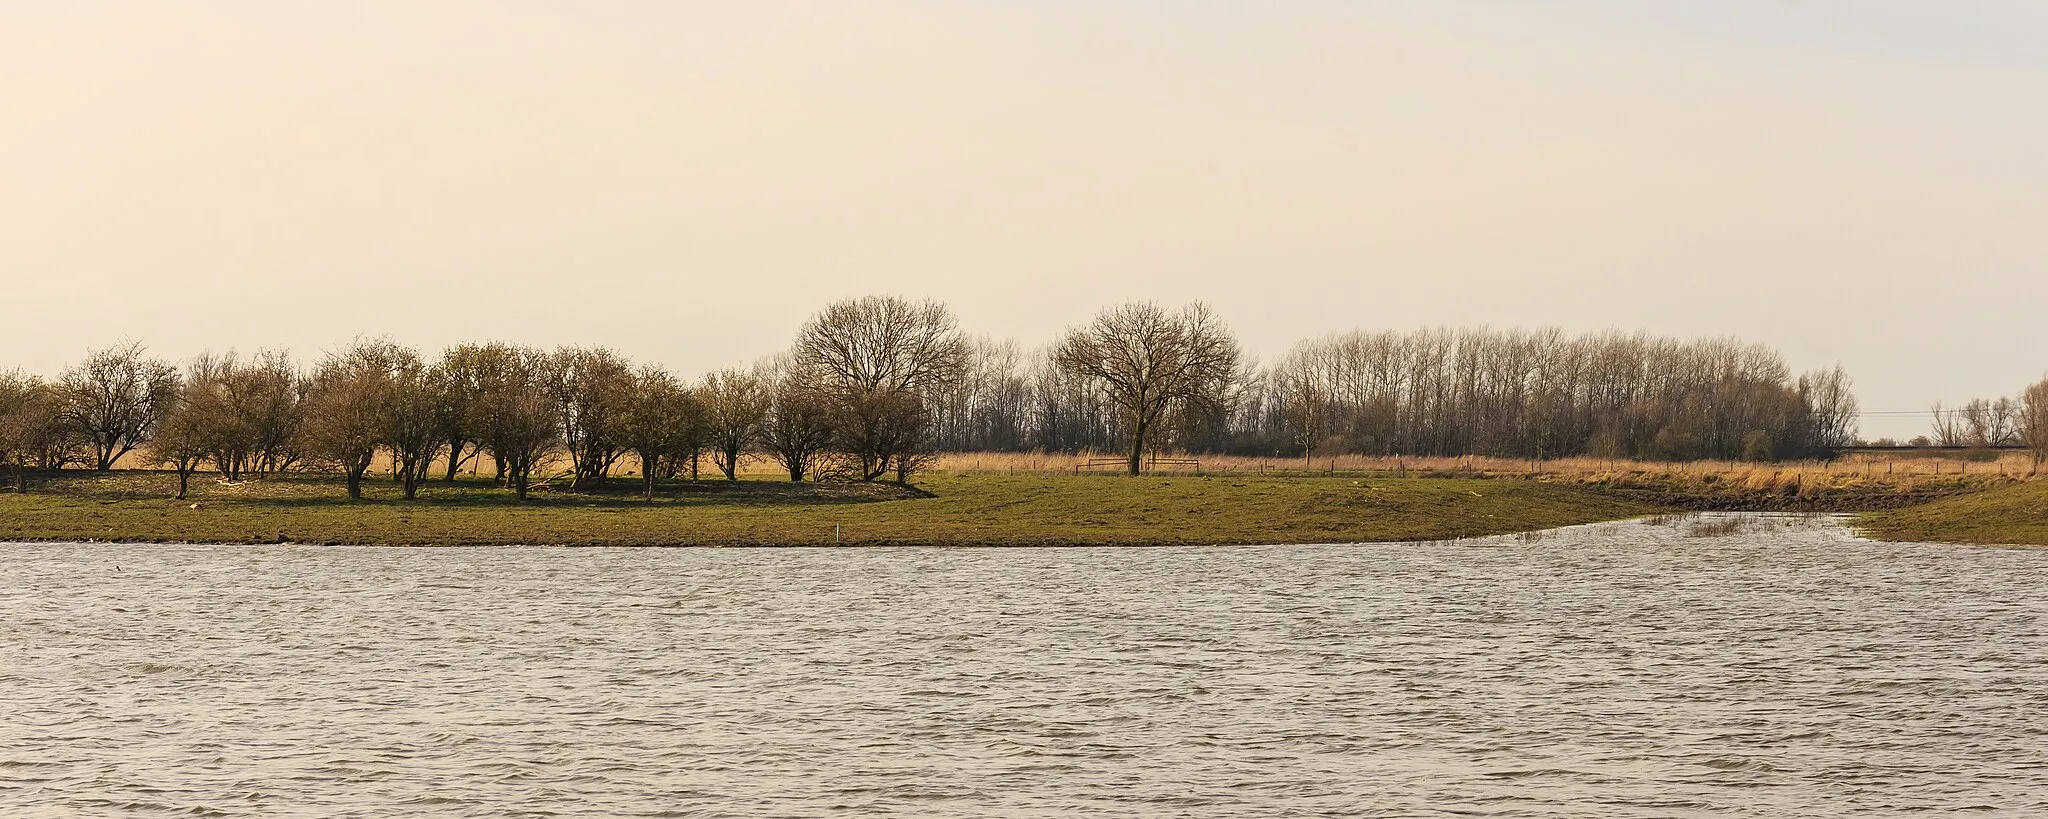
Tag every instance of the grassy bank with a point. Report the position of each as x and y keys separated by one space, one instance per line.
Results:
x=2015 y=514
x=944 y=510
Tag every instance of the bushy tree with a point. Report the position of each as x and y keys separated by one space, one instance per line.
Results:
x=878 y=362
x=659 y=424
x=114 y=399
x=413 y=422
x=189 y=434
x=798 y=426
x=513 y=415
x=1148 y=362
x=349 y=406
x=30 y=418
x=735 y=403
x=589 y=387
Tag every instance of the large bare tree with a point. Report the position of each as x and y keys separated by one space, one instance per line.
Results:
x=349 y=404
x=1148 y=361
x=115 y=398
x=879 y=361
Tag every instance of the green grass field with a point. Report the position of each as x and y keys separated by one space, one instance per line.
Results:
x=2015 y=514
x=946 y=510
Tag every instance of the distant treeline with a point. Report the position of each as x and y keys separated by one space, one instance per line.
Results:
x=872 y=388
x=1536 y=394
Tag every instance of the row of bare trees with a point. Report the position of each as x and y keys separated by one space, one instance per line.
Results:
x=873 y=387
x=1538 y=394
x=850 y=399
x=1998 y=422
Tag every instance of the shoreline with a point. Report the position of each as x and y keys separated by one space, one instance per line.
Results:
x=133 y=507
x=940 y=511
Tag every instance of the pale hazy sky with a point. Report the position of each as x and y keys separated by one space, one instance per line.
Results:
x=1862 y=181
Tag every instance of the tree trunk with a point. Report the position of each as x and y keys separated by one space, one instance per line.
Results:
x=519 y=487
x=1137 y=447
x=694 y=457
x=730 y=465
x=411 y=481
x=20 y=477
x=184 y=479
x=454 y=459
x=355 y=484
x=647 y=481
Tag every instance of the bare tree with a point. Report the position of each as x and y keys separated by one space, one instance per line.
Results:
x=588 y=386
x=513 y=415
x=2033 y=421
x=657 y=423
x=30 y=416
x=348 y=406
x=1832 y=408
x=878 y=361
x=414 y=422
x=798 y=427
x=115 y=398
x=248 y=410
x=456 y=384
x=1147 y=361
x=735 y=403
x=1305 y=382
x=190 y=431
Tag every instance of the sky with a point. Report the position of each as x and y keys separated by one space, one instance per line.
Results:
x=1862 y=182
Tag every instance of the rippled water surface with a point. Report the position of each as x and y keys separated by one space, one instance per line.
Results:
x=1639 y=669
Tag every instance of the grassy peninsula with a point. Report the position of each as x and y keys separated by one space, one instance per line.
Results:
x=942 y=510
x=2016 y=514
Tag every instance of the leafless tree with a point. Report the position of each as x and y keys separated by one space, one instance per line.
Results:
x=798 y=427
x=460 y=378
x=2033 y=421
x=247 y=409
x=115 y=397
x=190 y=431
x=30 y=416
x=1305 y=385
x=735 y=403
x=1148 y=361
x=349 y=405
x=879 y=361
x=1832 y=408
x=657 y=423
x=513 y=415
x=588 y=386
x=414 y=422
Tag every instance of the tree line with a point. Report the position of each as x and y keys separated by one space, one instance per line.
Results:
x=1998 y=422
x=872 y=388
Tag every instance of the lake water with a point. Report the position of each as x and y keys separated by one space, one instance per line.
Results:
x=1626 y=670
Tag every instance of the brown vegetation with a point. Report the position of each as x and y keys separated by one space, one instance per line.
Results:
x=877 y=387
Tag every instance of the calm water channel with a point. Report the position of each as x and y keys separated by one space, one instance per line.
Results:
x=1639 y=669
